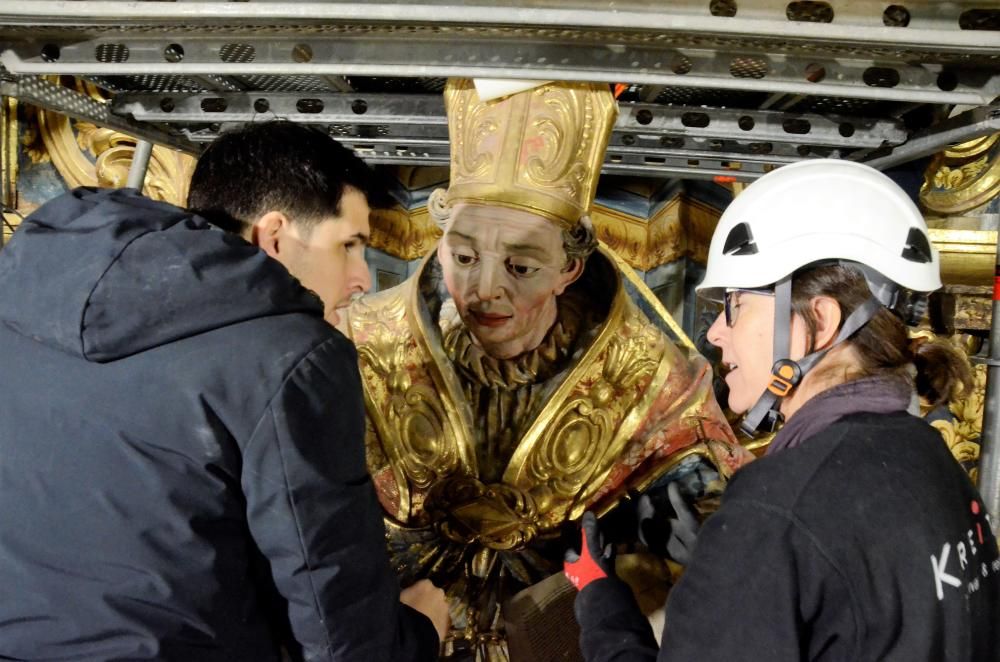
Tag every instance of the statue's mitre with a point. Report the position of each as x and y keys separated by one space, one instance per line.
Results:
x=540 y=150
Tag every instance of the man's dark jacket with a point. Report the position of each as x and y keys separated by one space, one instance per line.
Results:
x=180 y=451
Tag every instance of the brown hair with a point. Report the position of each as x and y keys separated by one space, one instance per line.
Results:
x=882 y=345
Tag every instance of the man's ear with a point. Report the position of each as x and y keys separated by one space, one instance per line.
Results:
x=569 y=275
x=828 y=315
x=268 y=233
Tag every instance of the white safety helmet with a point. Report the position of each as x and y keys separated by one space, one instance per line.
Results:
x=815 y=212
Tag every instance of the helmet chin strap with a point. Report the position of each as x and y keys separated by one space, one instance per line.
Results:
x=785 y=373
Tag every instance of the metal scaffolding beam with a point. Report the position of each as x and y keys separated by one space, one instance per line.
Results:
x=930 y=27
x=477 y=56
x=45 y=94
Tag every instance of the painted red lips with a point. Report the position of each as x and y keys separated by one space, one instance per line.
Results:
x=491 y=320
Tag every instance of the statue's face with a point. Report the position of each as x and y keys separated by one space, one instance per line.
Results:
x=504 y=268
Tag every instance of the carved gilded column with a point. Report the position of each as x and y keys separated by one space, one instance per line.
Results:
x=8 y=166
x=963 y=178
x=960 y=198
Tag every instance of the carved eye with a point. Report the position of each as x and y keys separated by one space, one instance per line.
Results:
x=520 y=269
x=463 y=259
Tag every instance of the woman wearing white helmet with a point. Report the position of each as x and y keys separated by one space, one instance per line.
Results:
x=858 y=537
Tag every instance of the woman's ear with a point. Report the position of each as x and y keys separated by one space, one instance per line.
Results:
x=828 y=315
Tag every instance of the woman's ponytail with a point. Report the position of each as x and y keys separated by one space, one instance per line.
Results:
x=883 y=346
x=942 y=370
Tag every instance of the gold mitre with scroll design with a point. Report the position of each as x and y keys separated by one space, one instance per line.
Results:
x=539 y=150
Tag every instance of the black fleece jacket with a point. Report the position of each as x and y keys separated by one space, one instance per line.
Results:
x=182 y=471
x=866 y=543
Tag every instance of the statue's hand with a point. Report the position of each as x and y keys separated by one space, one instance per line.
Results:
x=668 y=530
x=594 y=560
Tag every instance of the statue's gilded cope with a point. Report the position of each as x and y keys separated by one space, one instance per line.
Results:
x=478 y=462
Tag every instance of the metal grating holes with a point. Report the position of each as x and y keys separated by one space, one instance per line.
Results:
x=50 y=53
x=371 y=84
x=111 y=53
x=222 y=82
x=896 y=16
x=173 y=53
x=214 y=105
x=880 y=77
x=695 y=120
x=726 y=8
x=680 y=64
x=703 y=96
x=947 y=80
x=268 y=83
x=980 y=19
x=841 y=106
x=809 y=11
x=797 y=126
x=309 y=106
x=155 y=83
x=58 y=96
x=239 y=53
x=744 y=66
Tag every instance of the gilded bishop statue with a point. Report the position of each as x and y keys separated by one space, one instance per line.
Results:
x=514 y=381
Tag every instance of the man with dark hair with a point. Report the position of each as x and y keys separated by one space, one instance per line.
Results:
x=274 y=184
x=182 y=472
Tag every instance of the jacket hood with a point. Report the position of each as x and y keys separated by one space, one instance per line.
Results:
x=104 y=274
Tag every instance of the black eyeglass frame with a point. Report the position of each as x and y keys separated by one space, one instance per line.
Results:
x=730 y=294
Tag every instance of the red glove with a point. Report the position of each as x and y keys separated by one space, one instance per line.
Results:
x=594 y=560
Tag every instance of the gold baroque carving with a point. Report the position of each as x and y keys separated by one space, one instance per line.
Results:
x=586 y=426
x=538 y=150
x=468 y=512
x=968 y=257
x=408 y=235
x=962 y=434
x=963 y=308
x=629 y=236
x=9 y=166
x=87 y=155
x=699 y=221
x=681 y=228
x=31 y=140
x=8 y=139
x=963 y=177
x=402 y=400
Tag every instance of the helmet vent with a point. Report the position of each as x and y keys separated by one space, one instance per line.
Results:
x=918 y=249
x=740 y=241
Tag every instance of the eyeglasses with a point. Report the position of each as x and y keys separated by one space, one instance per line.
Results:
x=732 y=303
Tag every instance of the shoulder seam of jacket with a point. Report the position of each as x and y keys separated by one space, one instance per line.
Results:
x=269 y=413
x=284 y=380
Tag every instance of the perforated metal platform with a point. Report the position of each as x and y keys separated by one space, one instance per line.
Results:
x=720 y=87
